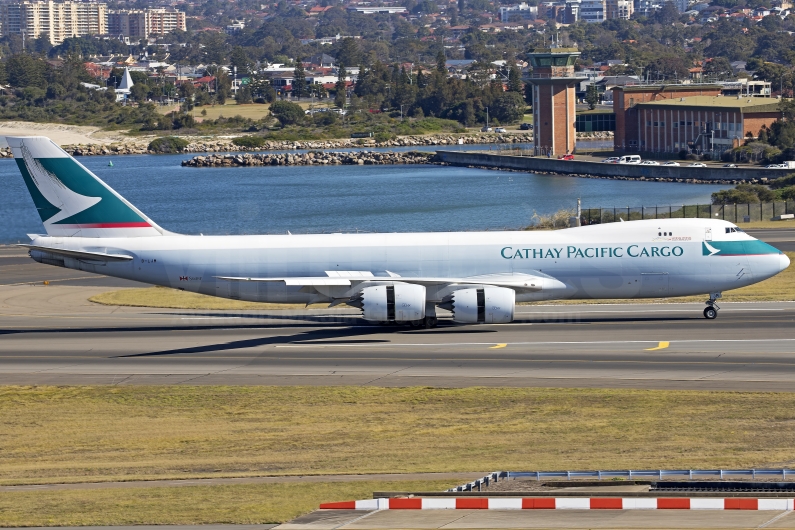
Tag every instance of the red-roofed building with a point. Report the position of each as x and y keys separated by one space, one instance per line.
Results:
x=317 y=10
x=207 y=82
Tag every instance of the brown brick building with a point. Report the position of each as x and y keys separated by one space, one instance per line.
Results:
x=554 y=102
x=668 y=119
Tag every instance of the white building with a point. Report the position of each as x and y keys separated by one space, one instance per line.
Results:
x=54 y=21
x=593 y=10
x=140 y=23
x=619 y=9
x=514 y=12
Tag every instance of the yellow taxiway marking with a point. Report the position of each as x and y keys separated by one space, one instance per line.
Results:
x=498 y=346
x=661 y=346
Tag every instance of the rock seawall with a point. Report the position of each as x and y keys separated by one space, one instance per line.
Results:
x=316 y=158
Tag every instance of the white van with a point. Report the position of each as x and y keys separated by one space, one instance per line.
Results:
x=629 y=159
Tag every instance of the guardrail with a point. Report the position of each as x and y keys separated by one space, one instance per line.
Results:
x=624 y=473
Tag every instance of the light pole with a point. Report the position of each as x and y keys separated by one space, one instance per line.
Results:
x=487 y=119
x=401 y=111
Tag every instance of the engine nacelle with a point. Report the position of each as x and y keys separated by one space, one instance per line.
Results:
x=402 y=302
x=485 y=305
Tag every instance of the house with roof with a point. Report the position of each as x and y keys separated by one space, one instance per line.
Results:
x=319 y=60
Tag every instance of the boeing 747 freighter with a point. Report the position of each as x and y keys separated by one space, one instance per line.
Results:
x=479 y=276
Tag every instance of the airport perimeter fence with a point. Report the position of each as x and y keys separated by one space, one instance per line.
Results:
x=627 y=474
x=735 y=213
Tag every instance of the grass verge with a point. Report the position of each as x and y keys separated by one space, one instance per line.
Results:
x=96 y=433
x=164 y=297
x=778 y=288
x=239 y=504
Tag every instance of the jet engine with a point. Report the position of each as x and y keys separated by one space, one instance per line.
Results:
x=485 y=305
x=401 y=302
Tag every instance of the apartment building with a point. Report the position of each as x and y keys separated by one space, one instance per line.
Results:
x=54 y=21
x=140 y=23
x=518 y=11
x=593 y=10
x=161 y=21
x=619 y=9
x=131 y=23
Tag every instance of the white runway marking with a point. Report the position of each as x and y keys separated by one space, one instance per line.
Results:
x=546 y=343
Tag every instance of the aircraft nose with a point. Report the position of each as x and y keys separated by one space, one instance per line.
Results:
x=783 y=261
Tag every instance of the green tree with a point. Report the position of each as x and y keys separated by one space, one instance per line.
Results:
x=592 y=96
x=348 y=52
x=718 y=68
x=299 y=89
x=441 y=62
x=508 y=108
x=287 y=113
x=340 y=88
x=24 y=70
x=139 y=92
x=515 y=80
x=238 y=58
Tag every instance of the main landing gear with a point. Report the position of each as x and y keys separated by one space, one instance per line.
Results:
x=711 y=311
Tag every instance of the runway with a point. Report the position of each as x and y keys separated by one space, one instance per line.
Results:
x=53 y=335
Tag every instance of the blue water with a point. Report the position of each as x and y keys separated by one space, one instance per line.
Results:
x=338 y=198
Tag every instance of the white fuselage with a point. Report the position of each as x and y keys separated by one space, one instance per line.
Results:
x=639 y=259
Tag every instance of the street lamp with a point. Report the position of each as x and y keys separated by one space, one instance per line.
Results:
x=401 y=110
x=487 y=119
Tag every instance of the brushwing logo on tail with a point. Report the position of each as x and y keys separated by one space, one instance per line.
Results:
x=54 y=191
x=708 y=250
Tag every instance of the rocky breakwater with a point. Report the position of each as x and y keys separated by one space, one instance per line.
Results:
x=312 y=158
x=131 y=148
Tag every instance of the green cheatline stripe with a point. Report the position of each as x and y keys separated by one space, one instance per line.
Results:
x=738 y=248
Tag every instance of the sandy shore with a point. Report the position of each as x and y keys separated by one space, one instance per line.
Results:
x=59 y=133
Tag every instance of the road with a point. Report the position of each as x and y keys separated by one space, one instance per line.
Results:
x=53 y=335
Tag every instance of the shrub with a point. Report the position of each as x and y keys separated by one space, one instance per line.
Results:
x=287 y=113
x=168 y=144
x=744 y=193
x=249 y=141
x=783 y=182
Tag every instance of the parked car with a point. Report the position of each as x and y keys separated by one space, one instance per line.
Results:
x=649 y=163
x=526 y=127
x=696 y=164
x=486 y=129
x=729 y=165
x=566 y=157
x=630 y=159
x=611 y=160
x=500 y=130
x=776 y=166
x=671 y=163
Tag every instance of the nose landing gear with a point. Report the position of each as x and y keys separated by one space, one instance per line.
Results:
x=711 y=311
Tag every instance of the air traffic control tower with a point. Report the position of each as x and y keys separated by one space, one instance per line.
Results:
x=554 y=101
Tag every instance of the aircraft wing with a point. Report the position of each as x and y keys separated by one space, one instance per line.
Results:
x=79 y=254
x=522 y=281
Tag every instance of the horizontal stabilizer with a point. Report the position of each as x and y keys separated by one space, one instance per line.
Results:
x=80 y=254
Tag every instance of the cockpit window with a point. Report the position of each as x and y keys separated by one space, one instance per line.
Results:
x=729 y=230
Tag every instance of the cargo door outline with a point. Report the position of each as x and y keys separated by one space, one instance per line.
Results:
x=654 y=284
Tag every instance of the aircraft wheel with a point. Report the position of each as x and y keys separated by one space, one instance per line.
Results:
x=710 y=313
x=431 y=322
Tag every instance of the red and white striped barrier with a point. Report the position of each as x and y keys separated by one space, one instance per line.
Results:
x=564 y=503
